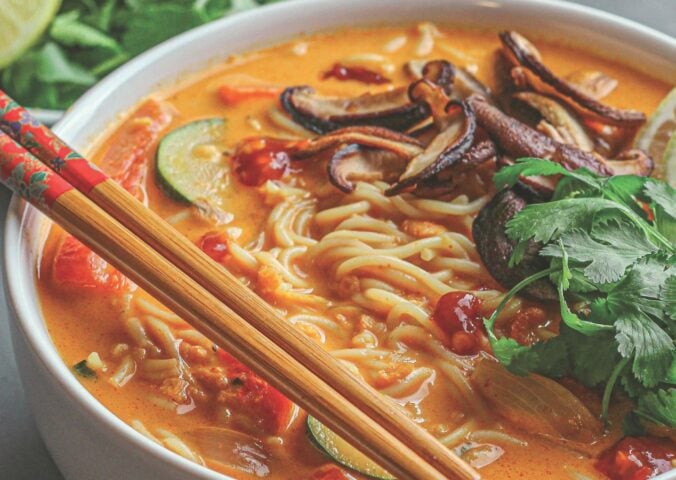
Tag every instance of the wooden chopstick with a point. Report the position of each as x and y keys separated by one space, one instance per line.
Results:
x=179 y=251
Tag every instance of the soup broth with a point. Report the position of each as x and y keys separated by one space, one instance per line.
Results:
x=359 y=272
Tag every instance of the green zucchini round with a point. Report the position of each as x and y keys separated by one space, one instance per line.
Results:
x=342 y=452
x=181 y=172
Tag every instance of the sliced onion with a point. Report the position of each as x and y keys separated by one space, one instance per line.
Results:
x=231 y=449
x=537 y=405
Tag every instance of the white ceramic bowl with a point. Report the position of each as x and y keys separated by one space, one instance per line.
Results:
x=87 y=441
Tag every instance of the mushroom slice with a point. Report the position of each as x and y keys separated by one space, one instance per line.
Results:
x=436 y=99
x=466 y=84
x=596 y=84
x=444 y=182
x=519 y=140
x=521 y=53
x=392 y=109
x=357 y=163
x=445 y=150
x=374 y=137
x=632 y=162
x=495 y=248
x=568 y=129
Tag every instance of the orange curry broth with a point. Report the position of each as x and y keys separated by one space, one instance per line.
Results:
x=80 y=324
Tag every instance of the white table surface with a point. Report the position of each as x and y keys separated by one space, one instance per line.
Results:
x=22 y=453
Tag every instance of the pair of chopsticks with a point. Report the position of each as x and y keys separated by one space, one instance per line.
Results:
x=41 y=168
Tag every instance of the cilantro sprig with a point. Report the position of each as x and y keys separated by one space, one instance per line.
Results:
x=611 y=243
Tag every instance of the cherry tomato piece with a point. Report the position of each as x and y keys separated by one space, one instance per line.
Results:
x=635 y=458
x=258 y=160
x=214 y=244
x=457 y=314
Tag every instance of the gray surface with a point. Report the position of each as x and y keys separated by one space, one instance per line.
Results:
x=22 y=454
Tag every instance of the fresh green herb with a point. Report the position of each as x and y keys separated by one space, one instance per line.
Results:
x=82 y=369
x=89 y=39
x=612 y=248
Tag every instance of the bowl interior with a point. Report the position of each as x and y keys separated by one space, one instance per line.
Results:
x=162 y=66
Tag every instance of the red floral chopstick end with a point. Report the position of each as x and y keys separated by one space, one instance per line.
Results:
x=29 y=177
x=18 y=123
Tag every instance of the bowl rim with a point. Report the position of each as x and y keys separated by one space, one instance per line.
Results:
x=18 y=212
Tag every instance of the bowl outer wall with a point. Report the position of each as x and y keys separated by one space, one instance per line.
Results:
x=86 y=440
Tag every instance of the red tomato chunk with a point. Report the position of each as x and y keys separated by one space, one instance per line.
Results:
x=636 y=459
x=214 y=244
x=265 y=405
x=258 y=160
x=457 y=314
x=75 y=265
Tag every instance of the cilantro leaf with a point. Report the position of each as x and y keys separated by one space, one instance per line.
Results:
x=636 y=304
x=663 y=198
x=545 y=222
x=663 y=195
x=626 y=189
x=670 y=377
x=575 y=322
x=569 y=318
x=668 y=296
x=658 y=407
x=632 y=426
x=650 y=345
x=592 y=357
x=608 y=251
x=548 y=358
x=631 y=385
x=527 y=167
x=665 y=224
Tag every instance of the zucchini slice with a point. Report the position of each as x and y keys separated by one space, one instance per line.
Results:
x=188 y=163
x=342 y=452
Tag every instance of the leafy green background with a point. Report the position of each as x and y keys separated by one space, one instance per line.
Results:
x=90 y=38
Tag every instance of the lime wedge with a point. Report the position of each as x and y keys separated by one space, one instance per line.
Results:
x=23 y=21
x=656 y=134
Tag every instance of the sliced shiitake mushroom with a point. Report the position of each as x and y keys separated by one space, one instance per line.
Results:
x=596 y=84
x=557 y=121
x=631 y=162
x=447 y=180
x=392 y=109
x=320 y=114
x=446 y=149
x=466 y=84
x=495 y=248
x=530 y=70
x=354 y=163
x=519 y=140
x=463 y=82
x=380 y=138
